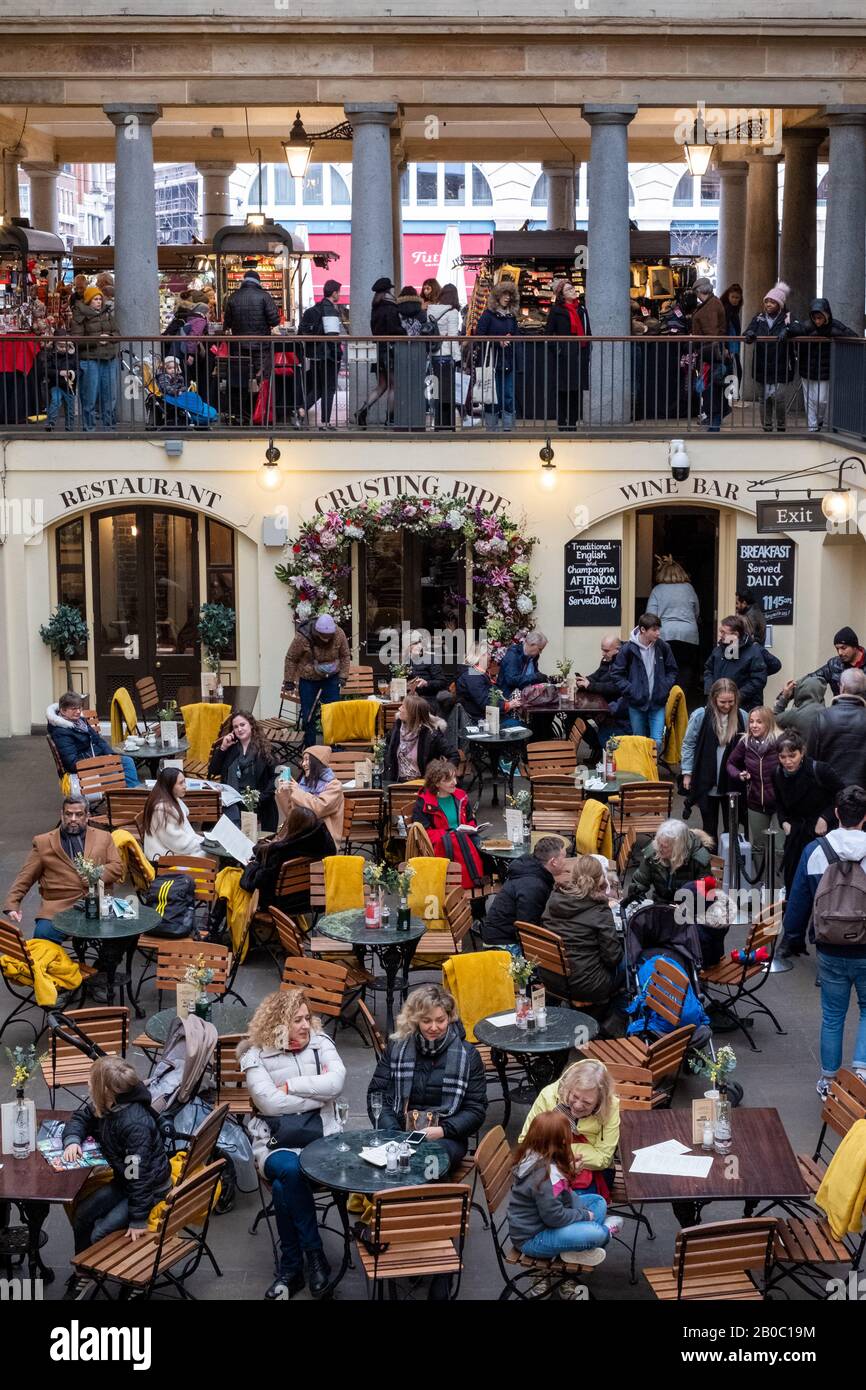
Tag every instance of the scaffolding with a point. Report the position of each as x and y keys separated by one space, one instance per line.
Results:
x=176 y=205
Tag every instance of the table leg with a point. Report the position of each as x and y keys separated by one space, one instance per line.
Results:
x=341 y=1202
x=688 y=1213
x=34 y=1214
x=494 y=774
x=500 y=1062
x=393 y=958
x=128 y=959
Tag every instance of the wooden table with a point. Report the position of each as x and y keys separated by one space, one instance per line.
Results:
x=152 y=753
x=565 y=712
x=766 y=1169
x=33 y=1187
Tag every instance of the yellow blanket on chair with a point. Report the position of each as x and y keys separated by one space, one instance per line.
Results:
x=676 y=723
x=53 y=969
x=344 y=882
x=349 y=721
x=203 y=723
x=635 y=754
x=123 y=716
x=228 y=885
x=842 y=1194
x=586 y=839
x=480 y=984
x=427 y=891
x=136 y=866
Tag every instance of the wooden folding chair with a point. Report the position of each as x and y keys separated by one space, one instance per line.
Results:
x=97 y=776
x=545 y=949
x=663 y=1059
x=732 y=984
x=174 y=957
x=714 y=1261
x=13 y=945
x=551 y=757
x=202 y=1142
x=556 y=806
x=401 y=802
x=147 y=1264
x=325 y=983
x=634 y=1090
x=642 y=806
x=289 y=934
x=359 y=683
x=203 y=806
x=415 y=1232
x=342 y=761
x=123 y=810
x=369 y=1026
x=435 y=946
x=363 y=818
x=601 y=830
x=844 y=1105
x=66 y=1066
x=230 y=1085
x=58 y=762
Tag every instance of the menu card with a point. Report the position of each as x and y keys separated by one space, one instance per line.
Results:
x=233 y=840
x=168 y=732
x=491 y=714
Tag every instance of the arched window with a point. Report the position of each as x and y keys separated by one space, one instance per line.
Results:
x=482 y=193
x=404 y=186
x=284 y=187
x=339 y=188
x=312 y=186
x=684 y=193
x=823 y=189
x=711 y=186
x=539 y=192
x=631 y=195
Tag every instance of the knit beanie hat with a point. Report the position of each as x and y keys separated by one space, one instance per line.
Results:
x=846 y=637
x=322 y=751
x=779 y=293
x=91 y=292
x=703 y=286
x=325 y=625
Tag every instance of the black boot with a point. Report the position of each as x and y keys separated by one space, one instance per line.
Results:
x=318 y=1272
x=792 y=946
x=361 y=418
x=285 y=1286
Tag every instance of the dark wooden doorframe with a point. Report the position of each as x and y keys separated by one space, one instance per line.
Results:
x=411 y=594
x=171 y=670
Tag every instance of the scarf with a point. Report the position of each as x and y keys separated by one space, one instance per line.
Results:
x=316 y=788
x=407 y=755
x=455 y=1080
x=759 y=746
x=576 y=322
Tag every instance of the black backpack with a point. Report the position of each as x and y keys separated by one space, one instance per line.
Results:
x=173 y=897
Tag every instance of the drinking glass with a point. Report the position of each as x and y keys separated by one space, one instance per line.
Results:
x=376 y=1109
x=342 y=1109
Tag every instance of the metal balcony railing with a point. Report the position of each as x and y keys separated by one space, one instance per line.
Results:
x=532 y=385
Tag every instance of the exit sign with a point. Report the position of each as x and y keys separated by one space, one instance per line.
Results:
x=796 y=514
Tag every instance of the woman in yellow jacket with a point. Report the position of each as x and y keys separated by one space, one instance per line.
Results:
x=585 y=1094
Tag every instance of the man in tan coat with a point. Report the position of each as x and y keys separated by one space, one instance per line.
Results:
x=50 y=864
x=318 y=660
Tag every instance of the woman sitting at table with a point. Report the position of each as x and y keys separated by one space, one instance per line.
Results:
x=430 y=1078
x=443 y=810
x=417 y=738
x=301 y=836
x=165 y=819
x=294 y=1075
x=585 y=1095
x=242 y=759
x=579 y=912
x=318 y=789
x=548 y=1216
x=674 y=857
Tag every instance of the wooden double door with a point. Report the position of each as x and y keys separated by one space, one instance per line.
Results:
x=409 y=579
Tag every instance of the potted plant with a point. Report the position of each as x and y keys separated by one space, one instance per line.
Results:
x=92 y=874
x=25 y=1063
x=561 y=672
x=200 y=975
x=376 y=878
x=64 y=633
x=250 y=799
x=521 y=971
x=400 y=881
x=216 y=625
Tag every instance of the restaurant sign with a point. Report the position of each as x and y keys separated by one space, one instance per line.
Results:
x=422 y=485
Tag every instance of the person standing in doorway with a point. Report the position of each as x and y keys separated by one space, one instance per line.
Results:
x=645 y=672
x=318 y=660
x=676 y=603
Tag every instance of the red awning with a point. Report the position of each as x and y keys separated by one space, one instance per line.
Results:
x=420 y=257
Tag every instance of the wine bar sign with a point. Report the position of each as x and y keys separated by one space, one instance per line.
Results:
x=593 y=574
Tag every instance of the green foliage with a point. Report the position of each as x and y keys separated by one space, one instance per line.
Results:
x=216 y=625
x=64 y=633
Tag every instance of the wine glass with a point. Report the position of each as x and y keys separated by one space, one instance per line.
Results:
x=376 y=1110
x=342 y=1109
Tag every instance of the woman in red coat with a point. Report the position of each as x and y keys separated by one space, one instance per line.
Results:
x=443 y=810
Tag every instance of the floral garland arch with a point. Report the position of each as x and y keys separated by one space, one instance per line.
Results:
x=503 y=593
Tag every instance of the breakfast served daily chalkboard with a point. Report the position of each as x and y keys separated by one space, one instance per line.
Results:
x=767 y=566
x=593 y=572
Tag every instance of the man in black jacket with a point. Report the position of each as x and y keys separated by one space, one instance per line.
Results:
x=523 y=896
x=250 y=312
x=323 y=358
x=601 y=682
x=850 y=656
x=838 y=735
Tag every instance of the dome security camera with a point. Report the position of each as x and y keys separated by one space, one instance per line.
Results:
x=678 y=461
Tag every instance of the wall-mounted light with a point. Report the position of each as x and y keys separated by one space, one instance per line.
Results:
x=840 y=504
x=299 y=146
x=548 y=467
x=269 y=472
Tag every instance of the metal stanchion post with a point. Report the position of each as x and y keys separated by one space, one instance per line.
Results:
x=779 y=965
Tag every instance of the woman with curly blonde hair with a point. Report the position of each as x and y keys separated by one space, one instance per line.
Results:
x=294 y=1075
x=429 y=1077
x=585 y=1094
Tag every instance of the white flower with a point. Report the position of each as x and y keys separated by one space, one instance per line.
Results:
x=483 y=547
x=454 y=519
x=524 y=604
x=354 y=533
x=304 y=609
x=329 y=541
x=498 y=544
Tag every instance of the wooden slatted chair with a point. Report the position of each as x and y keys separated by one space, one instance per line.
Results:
x=634 y=1089
x=556 y=806
x=147 y=1264
x=663 y=1059
x=435 y=946
x=416 y=1231
x=173 y=958
x=601 y=830
x=545 y=949
x=13 y=945
x=325 y=983
x=342 y=761
x=363 y=820
x=805 y=1245
x=625 y=851
x=58 y=761
x=715 y=1262
x=65 y=1066
x=148 y=696
x=642 y=806
x=96 y=776
x=203 y=805
x=289 y=934
x=123 y=810
x=401 y=802
x=369 y=1026
x=230 y=1086
x=524 y=1276
x=359 y=683
x=576 y=733
x=732 y=986
x=551 y=758
x=202 y=1142
x=844 y=1105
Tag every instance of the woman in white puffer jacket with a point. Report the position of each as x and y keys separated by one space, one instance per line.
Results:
x=294 y=1075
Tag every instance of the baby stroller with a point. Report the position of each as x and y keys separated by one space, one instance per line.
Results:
x=653 y=932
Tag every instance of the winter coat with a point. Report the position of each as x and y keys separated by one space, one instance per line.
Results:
x=95 y=325
x=268 y=1070
x=630 y=673
x=772 y=363
x=258 y=774
x=653 y=879
x=700 y=756
x=831 y=672
x=803 y=798
x=412 y=312
x=592 y=947
x=426 y=1094
x=838 y=737
x=458 y=846
x=250 y=312
x=533 y=1206
x=326 y=802
x=708 y=321
x=433 y=675
x=517 y=670
x=49 y=865
x=447 y=320
x=601 y=680
x=167 y=836
x=473 y=689
x=128 y=1129
x=568 y=362
x=385 y=320
x=53 y=363
x=432 y=743
x=304 y=654
x=678 y=607
x=263 y=870
x=760 y=793
x=522 y=898
x=598 y=1138
x=495 y=322
x=814 y=356
x=748 y=671
x=808 y=703
x=849 y=845
x=313 y=323
x=73 y=743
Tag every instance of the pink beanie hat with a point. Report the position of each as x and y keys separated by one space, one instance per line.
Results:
x=779 y=292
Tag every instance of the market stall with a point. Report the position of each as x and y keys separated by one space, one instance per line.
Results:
x=31 y=264
x=184 y=268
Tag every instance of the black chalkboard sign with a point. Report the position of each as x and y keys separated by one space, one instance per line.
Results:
x=768 y=566
x=592 y=583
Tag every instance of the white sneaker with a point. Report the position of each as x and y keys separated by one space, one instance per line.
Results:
x=860 y=1073
x=583 y=1257
x=823 y=1086
x=614 y=1224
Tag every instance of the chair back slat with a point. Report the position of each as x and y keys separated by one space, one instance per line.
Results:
x=228 y=1070
x=190 y=1201
x=458 y=915
x=342 y=762
x=494 y=1164
x=363 y=809
x=551 y=756
x=203 y=1142
x=401 y=801
x=724 y=1247
x=323 y=982
x=290 y=935
x=543 y=947
x=845 y=1103
x=97 y=776
x=203 y=871
x=173 y=958
x=58 y=761
x=665 y=1055
x=293 y=879
x=12 y=944
x=666 y=991
x=204 y=807
x=359 y=683
x=148 y=694
x=107 y=1027
x=410 y=1215
x=125 y=807
x=377 y=1040
x=633 y=1086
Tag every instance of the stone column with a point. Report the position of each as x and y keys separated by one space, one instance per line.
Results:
x=215 y=207
x=372 y=212
x=136 y=274
x=797 y=256
x=11 y=194
x=44 y=212
x=398 y=168
x=561 y=195
x=844 y=281
x=762 y=232
x=608 y=258
x=731 y=247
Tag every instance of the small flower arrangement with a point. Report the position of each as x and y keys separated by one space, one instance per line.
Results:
x=399 y=669
x=89 y=870
x=401 y=881
x=199 y=974
x=378 y=754
x=376 y=876
x=521 y=970
x=168 y=712
x=495 y=696
x=520 y=801
x=715 y=1067
x=563 y=669
x=250 y=798
x=25 y=1063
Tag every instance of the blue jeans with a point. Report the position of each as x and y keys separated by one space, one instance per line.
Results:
x=103 y=1211
x=504 y=408
x=648 y=723
x=294 y=1209
x=308 y=690
x=580 y=1235
x=98 y=383
x=130 y=771
x=836 y=975
x=45 y=930
x=59 y=398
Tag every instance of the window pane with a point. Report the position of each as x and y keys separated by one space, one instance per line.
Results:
x=404 y=187
x=173 y=583
x=539 y=192
x=284 y=187
x=119 y=563
x=313 y=194
x=443 y=580
x=455 y=184
x=710 y=189
x=427 y=192
x=258 y=189
x=684 y=194
x=482 y=194
x=220 y=542
x=339 y=188
x=384 y=571
x=70 y=570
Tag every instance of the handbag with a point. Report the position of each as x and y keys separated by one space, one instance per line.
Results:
x=485 y=379
x=296 y=1131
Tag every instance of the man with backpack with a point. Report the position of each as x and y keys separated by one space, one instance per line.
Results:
x=829 y=891
x=323 y=321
